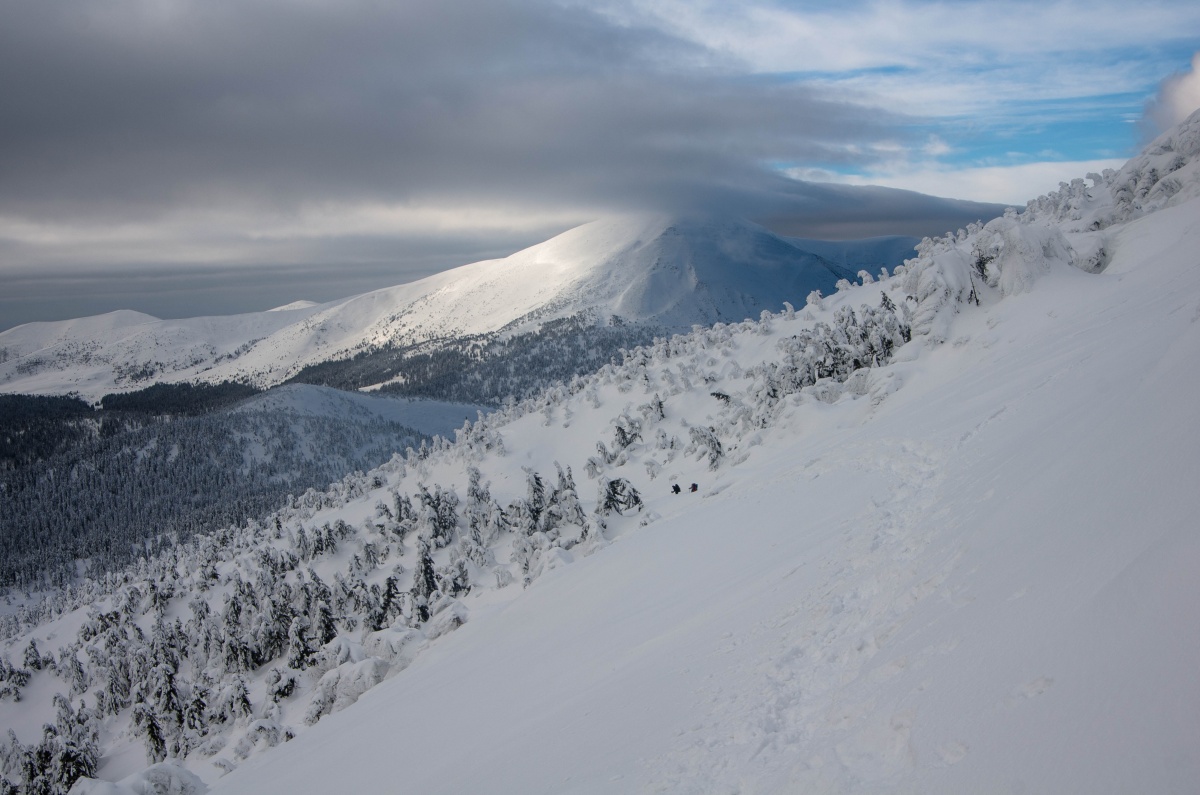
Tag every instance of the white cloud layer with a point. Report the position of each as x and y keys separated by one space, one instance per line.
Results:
x=1014 y=185
x=937 y=58
x=1178 y=97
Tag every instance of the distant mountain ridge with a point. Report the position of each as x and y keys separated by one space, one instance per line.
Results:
x=869 y=253
x=657 y=272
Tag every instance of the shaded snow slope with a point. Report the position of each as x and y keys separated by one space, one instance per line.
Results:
x=868 y=254
x=670 y=272
x=431 y=417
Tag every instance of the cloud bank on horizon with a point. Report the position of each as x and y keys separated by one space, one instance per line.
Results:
x=148 y=144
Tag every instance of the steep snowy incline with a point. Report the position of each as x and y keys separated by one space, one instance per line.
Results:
x=982 y=582
x=668 y=272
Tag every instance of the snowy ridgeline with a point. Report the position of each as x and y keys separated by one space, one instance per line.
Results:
x=476 y=333
x=237 y=642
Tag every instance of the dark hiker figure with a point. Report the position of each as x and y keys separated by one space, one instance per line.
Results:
x=675 y=489
x=694 y=487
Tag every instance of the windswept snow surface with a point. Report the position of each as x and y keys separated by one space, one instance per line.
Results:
x=665 y=271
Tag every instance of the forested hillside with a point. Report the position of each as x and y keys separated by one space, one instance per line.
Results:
x=486 y=369
x=102 y=487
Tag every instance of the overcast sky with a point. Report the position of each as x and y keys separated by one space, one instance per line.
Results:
x=188 y=157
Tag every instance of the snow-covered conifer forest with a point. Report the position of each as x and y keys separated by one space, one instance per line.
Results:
x=941 y=538
x=90 y=490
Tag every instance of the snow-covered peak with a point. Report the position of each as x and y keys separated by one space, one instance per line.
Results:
x=667 y=270
x=650 y=269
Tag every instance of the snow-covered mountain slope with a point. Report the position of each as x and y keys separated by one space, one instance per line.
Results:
x=958 y=563
x=983 y=581
x=667 y=272
x=120 y=351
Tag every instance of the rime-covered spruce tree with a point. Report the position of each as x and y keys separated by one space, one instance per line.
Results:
x=618 y=496
x=424 y=581
x=300 y=650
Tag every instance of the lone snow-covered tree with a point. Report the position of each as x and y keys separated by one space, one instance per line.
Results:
x=147 y=726
x=455 y=579
x=424 y=581
x=195 y=714
x=300 y=650
x=705 y=440
x=618 y=496
x=439 y=514
x=33 y=659
x=563 y=507
x=478 y=509
x=535 y=501
x=389 y=606
x=324 y=629
x=626 y=431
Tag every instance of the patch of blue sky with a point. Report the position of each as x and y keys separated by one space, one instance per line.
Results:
x=1061 y=129
x=1039 y=131
x=1139 y=68
x=832 y=76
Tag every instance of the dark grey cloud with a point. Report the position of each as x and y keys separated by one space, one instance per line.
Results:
x=114 y=107
x=820 y=210
x=197 y=124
